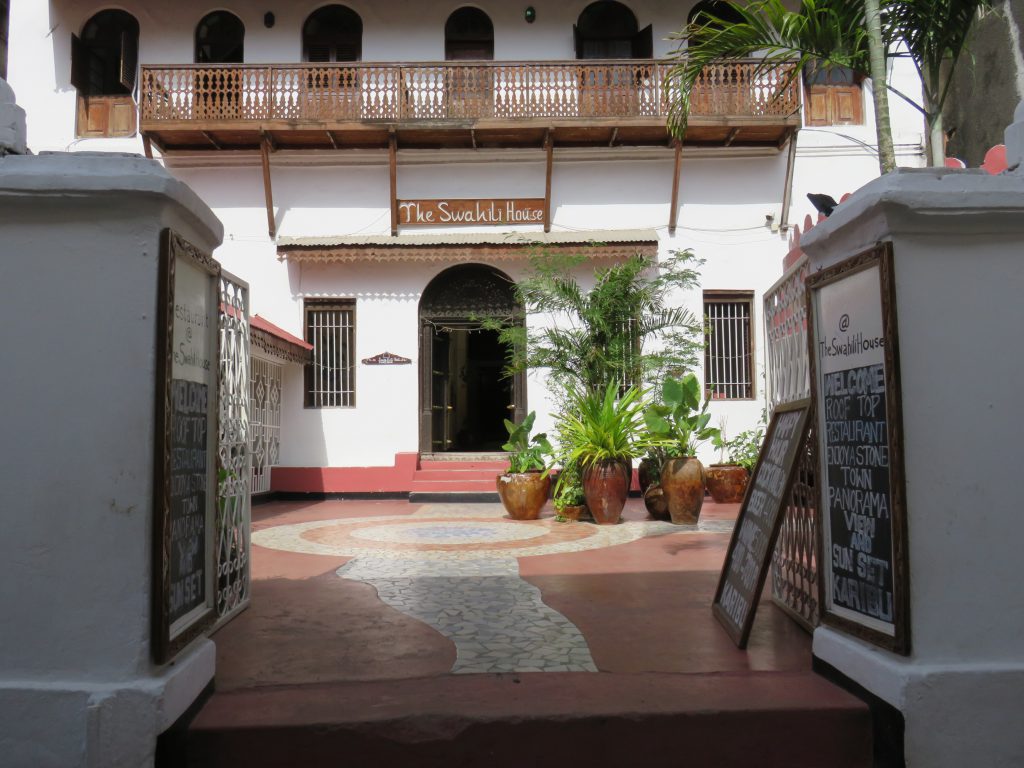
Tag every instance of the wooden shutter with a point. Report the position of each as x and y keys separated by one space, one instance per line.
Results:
x=817 y=105
x=846 y=104
x=129 y=59
x=643 y=43
x=79 y=64
x=318 y=53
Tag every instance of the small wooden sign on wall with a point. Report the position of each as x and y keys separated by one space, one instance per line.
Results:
x=386 y=358
x=492 y=211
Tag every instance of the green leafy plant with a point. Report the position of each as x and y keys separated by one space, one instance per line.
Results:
x=569 y=487
x=526 y=454
x=680 y=422
x=745 y=448
x=624 y=329
x=602 y=426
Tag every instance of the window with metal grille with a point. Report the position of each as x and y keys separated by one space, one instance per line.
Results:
x=331 y=377
x=728 y=350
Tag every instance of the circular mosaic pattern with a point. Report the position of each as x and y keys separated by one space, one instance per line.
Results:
x=455 y=533
x=469 y=532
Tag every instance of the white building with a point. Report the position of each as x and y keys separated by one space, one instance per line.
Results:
x=311 y=130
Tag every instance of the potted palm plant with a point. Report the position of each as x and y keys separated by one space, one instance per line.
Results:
x=604 y=433
x=524 y=488
x=680 y=423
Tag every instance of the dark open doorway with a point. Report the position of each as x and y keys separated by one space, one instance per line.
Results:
x=464 y=395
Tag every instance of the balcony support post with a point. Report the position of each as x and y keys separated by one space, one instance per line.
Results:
x=787 y=190
x=549 y=147
x=267 y=191
x=147 y=146
x=393 y=176
x=673 y=212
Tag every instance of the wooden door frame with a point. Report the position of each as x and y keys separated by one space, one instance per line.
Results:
x=426 y=428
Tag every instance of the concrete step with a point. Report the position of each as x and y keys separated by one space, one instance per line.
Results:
x=456 y=474
x=792 y=719
x=454 y=485
x=461 y=466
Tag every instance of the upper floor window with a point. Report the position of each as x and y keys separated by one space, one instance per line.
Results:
x=104 y=61
x=468 y=34
x=220 y=38
x=332 y=33
x=711 y=13
x=5 y=12
x=834 y=96
x=608 y=30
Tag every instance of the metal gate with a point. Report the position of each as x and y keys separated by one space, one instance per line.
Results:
x=234 y=470
x=265 y=421
x=794 y=562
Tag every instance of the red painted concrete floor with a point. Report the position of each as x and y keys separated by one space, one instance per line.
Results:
x=321 y=671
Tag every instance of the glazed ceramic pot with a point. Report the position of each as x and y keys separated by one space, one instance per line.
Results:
x=524 y=494
x=727 y=482
x=646 y=473
x=573 y=513
x=654 y=500
x=682 y=480
x=605 y=487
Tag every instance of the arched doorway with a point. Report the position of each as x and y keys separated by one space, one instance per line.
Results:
x=464 y=398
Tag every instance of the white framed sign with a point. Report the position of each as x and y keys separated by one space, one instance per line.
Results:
x=185 y=466
x=856 y=390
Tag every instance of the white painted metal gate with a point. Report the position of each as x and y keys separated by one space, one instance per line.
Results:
x=234 y=469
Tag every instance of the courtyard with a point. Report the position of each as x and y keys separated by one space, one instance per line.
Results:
x=422 y=634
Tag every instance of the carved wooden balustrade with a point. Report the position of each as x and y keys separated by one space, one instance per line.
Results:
x=453 y=91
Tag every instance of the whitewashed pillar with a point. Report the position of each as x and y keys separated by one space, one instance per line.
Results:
x=79 y=246
x=958 y=252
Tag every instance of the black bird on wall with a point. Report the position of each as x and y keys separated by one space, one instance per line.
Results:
x=822 y=203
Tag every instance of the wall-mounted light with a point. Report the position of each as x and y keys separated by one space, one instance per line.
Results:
x=268 y=19
x=530 y=15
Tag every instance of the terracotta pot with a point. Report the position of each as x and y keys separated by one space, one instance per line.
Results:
x=606 y=486
x=682 y=480
x=647 y=472
x=573 y=513
x=655 y=501
x=727 y=482
x=524 y=494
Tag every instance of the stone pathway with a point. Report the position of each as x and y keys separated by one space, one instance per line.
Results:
x=455 y=567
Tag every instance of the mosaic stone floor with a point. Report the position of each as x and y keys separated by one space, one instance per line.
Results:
x=455 y=567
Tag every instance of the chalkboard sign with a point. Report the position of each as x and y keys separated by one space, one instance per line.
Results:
x=757 y=527
x=185 y=486
x=855 y=383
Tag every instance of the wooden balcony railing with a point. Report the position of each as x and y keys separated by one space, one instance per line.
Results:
x=440 y=93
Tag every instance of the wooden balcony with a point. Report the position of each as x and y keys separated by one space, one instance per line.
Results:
x=457 y=104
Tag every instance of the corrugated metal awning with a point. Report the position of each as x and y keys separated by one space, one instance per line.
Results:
x=470 y=246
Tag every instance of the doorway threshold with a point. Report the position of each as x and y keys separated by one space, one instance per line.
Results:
x=465 y=456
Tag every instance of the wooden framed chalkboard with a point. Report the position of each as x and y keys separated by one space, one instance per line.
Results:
x=855 y=383
x=757 y=527
x=185 y=481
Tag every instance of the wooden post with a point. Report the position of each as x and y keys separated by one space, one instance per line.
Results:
x=147 y=146
x=673 y=213
x=393 y=167
x=787 y=190
x=549 y=146
x=267 y=191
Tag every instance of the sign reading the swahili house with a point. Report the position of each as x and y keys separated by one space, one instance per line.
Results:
x=185 y=480
x=386 y=358
x=757 y=526
x=498 y=211
x=862 y=514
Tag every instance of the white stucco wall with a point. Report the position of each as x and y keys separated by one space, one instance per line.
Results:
x=79 y=240
x=725 y=195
